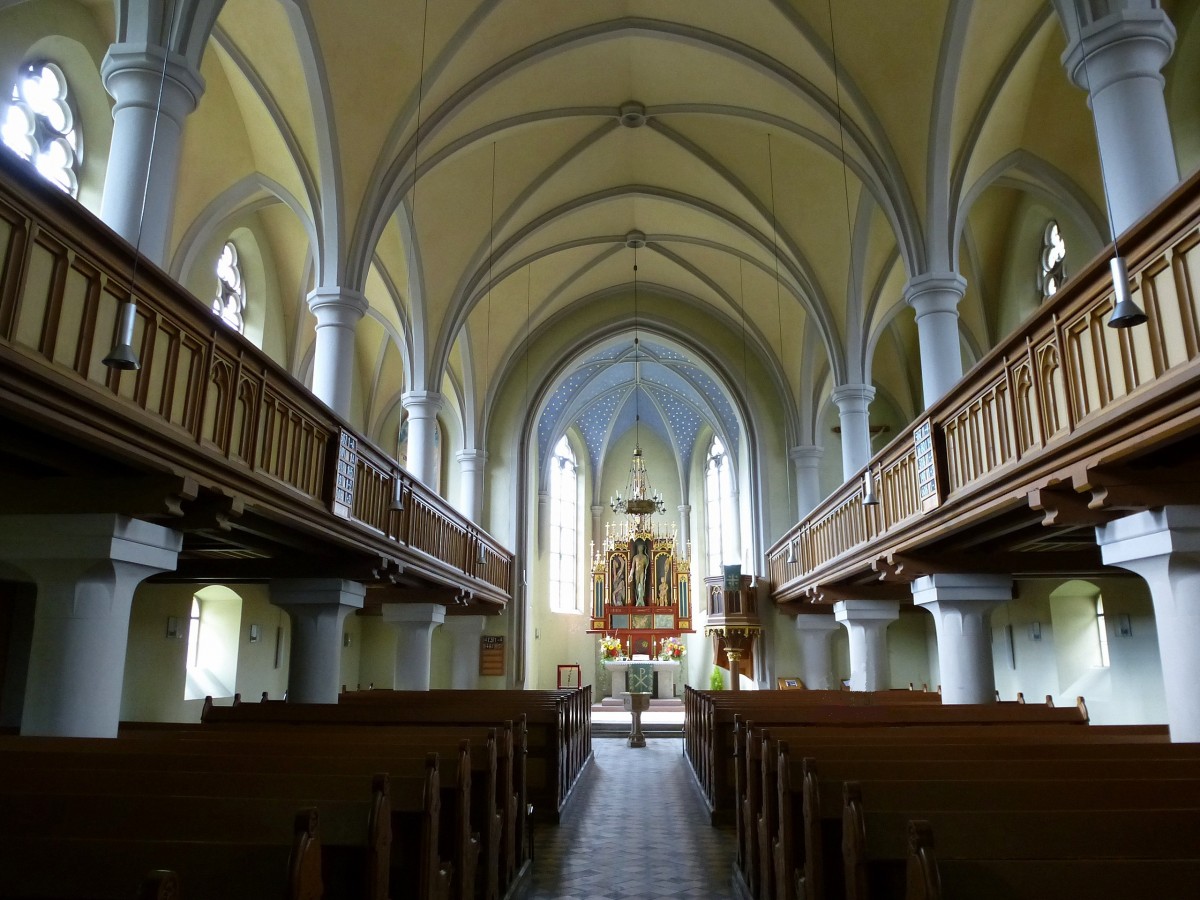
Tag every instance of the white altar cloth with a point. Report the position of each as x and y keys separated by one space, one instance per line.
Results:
x=667 y=670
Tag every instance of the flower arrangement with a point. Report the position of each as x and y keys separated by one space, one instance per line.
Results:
x=671 y=648
x=610 y=647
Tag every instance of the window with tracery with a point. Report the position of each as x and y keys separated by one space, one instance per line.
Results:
x=564 y=528
x=718 y=496
x=1054 y=258
x=39 y=125
x=230 y=302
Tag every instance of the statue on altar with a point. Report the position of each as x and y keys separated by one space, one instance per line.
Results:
x=641 y=563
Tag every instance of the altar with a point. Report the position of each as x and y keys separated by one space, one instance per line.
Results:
x=666 y=669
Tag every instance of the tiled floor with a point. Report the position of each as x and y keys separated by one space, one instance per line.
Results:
x=636 y=828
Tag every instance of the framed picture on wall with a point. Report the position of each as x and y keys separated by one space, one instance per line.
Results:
x=569 y=675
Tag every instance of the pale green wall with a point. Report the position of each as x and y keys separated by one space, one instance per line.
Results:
x=155 y=665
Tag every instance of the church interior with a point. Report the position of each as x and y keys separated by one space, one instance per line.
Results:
x=617 y=348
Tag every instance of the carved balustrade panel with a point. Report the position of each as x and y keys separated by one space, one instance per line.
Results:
x=1028 y=404
x=63 y=279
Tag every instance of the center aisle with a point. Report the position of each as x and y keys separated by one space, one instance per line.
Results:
x=636 y=828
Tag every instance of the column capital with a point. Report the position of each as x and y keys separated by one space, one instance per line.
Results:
x=1149 y=534
x=467 y=625
x=685 y=509
x=812 y=623
x=935 y=292
x=864 y=611
x=851 y=398
x=317 y=591
x=58 y=539
x=414 y=613
x=337 y=306
x=805 y=455
x=953 y=587
x=425 y=404
x=472 y=458
x=132 y=73
x=1127 y=43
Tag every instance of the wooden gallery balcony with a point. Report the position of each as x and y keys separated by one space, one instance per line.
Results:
x=209 y=437
x=1065 y=425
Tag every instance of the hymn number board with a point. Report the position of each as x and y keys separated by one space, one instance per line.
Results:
x=347 y=470
x=927 y=476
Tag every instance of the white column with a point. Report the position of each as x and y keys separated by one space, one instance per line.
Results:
x=338 y=311
x=1125 y=51
x=86 y=568
x=422 y=407
x=317 y=608
x=1163 y=547
x=961 y=606
x=414 y=624
x=464 y=649
x=685 y=530
x=867 y=622
x=934 y=298
x=474 y=465
x=815 y=632
x=133 y=75
x=807 y=460
x=854 y=402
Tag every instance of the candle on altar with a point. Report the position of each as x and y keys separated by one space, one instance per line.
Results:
x=628 y=645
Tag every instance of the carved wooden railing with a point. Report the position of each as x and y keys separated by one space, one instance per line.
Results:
x=1036 y=405
x=205 y=400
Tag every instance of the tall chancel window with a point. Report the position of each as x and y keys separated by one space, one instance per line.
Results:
x=230 y=302
x=1054 y=259
x=564 y=530
x=39 y=125
x=718 y=498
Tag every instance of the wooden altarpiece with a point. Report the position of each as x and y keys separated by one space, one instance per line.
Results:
x=641 y=587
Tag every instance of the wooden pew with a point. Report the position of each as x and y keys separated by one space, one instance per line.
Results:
x=810 y=825
x=104 y=866
x=384 y=732
x=877 y=849
x=415 y=808
x=558 y=729
x=983 y=878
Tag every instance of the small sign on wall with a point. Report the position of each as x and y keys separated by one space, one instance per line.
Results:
x=491 y=654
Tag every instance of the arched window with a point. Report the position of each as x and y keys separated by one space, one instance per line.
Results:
x=1054 y=260
x=564 y=530
x=39 y=125
x=718 y=496
x=230 y=302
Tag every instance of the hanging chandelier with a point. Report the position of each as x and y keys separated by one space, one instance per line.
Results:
x=640 y=498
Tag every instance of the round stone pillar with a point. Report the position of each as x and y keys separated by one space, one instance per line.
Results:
x=133 y=75
x=934 y=298
x=1118 y=59
x=422 y=407
x=961 y=606
x=685 y=531
x=317 y=608
x=414 y=624
x=1163 y=547
x=338 y=312
x=86 y=568
x=464 y=650
x=473 y=464
x=854 y=402
x=815 y=633
x=867 y=622
x=807 y=460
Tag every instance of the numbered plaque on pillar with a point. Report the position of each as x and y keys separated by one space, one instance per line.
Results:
x=491 y=654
